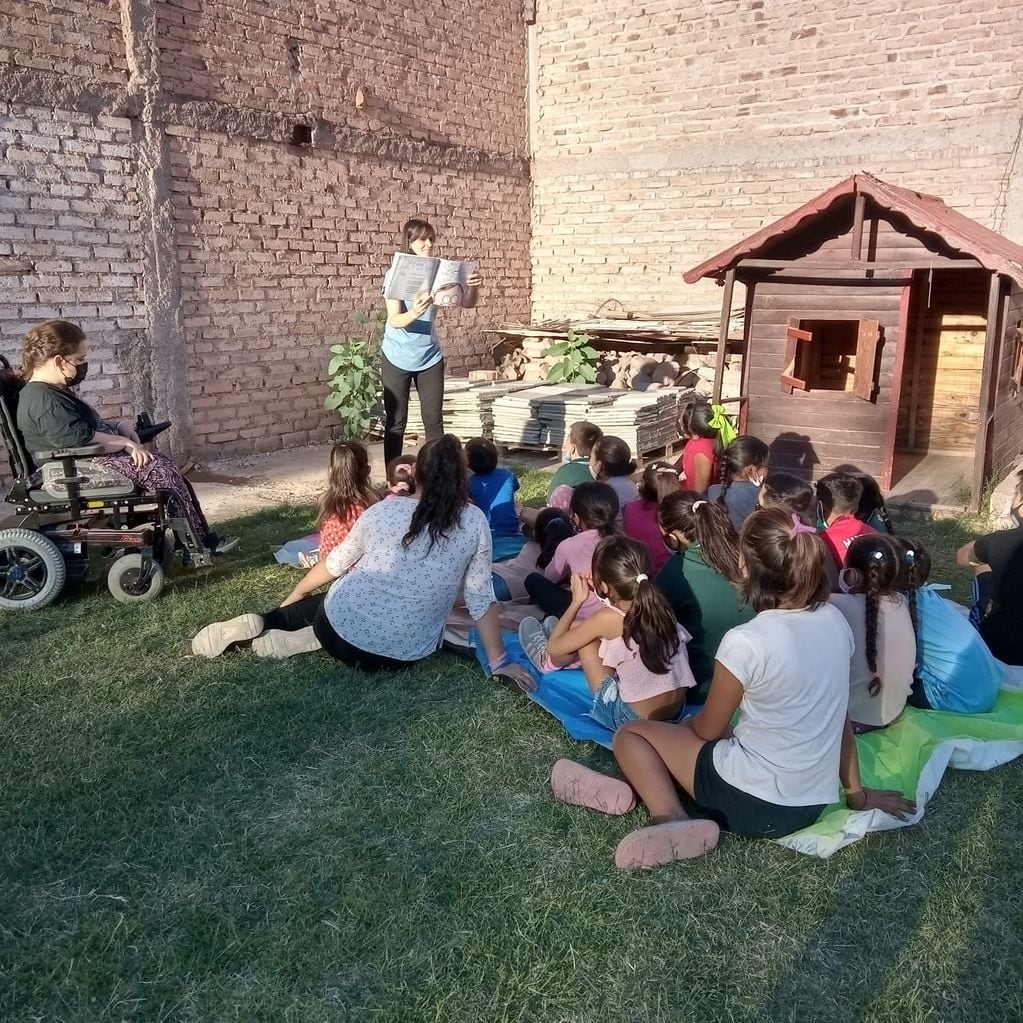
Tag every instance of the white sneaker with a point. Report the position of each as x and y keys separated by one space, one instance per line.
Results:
x=216 y=638
x=279 y=644
x=534 y=642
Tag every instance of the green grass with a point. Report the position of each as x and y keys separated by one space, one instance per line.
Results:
x=247 y=840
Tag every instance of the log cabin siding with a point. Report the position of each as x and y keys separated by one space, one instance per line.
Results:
x=1007 y=436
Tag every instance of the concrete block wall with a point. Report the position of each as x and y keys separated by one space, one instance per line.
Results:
x=665 y=133
x=147 y=168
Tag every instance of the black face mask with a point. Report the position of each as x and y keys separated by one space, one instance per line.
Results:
x=81 y=372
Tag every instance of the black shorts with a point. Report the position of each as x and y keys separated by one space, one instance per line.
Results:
x=739 y=812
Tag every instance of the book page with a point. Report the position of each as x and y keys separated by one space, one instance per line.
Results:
x=410 y=275
x=450 y=283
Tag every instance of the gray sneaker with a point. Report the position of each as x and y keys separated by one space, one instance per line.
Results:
x=549 y=625
x=534 y=642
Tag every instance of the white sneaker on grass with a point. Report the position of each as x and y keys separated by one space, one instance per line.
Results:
x=216 y=638
x=279 y=644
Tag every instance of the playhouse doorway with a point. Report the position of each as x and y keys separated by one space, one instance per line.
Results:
x=939 y=404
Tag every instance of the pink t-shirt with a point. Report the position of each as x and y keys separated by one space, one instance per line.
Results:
x=635 y=680
x=641 y=524
x=706 y=446
x=575 y=556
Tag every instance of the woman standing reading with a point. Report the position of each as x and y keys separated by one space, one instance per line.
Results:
x=411 y=350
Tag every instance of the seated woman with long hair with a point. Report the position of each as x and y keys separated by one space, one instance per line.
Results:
x=50 y=416
x=393 y=582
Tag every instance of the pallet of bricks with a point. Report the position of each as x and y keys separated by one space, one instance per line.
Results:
x=538 y=417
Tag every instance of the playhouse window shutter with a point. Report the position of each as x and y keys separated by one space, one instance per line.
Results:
x=796 y=339
x=867 y=343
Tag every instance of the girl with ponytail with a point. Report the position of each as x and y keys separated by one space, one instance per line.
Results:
x=783 y=762
x=884 y=659
x=743 y=468
x=639 y=518
x=632 y=651
x=701 y=578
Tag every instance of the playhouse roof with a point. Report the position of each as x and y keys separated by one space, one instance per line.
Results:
x=926 y=212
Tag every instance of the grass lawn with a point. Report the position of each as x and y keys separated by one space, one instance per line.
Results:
x=249 y=840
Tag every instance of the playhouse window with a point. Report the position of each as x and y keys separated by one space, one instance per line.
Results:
x=831 y=355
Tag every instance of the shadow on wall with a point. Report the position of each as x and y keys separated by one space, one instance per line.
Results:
x=794 y=453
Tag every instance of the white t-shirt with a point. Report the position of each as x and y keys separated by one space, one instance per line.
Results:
x=794 y=670
x=896 y=657
x=394 y=600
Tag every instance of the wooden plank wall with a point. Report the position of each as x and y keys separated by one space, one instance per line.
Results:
x=945 y=361
x=809 y=434
x=1007 y=440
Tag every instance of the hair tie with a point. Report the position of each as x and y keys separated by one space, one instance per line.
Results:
x=799 y=526
x=666 y=471
x=400 y=488
x=696 y=504
x=642 y=578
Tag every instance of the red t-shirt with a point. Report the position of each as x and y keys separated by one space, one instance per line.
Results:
x=706 y=446
x=841 y=533
x=336 y=527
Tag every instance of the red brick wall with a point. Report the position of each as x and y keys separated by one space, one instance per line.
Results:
x=280 y=247
x=668 y=135
x=68 y=203
x=276 y=247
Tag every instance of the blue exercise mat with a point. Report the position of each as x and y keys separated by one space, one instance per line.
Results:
x=506 y=547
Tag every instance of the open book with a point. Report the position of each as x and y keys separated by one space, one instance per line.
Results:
x=445 y=279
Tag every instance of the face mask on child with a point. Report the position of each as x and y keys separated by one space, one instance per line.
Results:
x=847 y=579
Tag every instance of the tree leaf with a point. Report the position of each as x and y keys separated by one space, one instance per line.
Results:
x=559 y=348
x=333 y=400
x=335 y=364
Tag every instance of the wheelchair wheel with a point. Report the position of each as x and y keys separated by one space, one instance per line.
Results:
x=125 y=582
x=32 y=570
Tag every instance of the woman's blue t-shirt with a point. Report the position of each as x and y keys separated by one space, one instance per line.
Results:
x=415 y=347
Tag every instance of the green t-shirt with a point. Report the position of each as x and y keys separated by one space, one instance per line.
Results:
x=571 y=474
x=705 y=604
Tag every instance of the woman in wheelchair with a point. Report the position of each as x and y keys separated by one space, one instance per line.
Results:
x=56 y=359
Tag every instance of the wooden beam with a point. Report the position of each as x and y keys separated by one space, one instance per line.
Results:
x=895 y=391
x=918 y=347
x=726 y=315
x=987 y=390
x=937 y=263
x=857 y=229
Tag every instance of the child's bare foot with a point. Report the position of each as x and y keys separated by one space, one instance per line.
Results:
x=216 y=638
x=578 y=785
x=665 y=843
x=279 y=644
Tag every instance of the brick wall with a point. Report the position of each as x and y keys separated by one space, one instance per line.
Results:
x=146 y=168
x=668 y=134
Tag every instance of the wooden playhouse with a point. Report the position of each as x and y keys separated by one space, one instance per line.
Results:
x=882 y=331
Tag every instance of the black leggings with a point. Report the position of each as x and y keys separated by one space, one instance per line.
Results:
x=551 y=598
x=309 y=611
x=397 y=384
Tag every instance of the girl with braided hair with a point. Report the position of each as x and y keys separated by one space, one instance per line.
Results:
x=743 y=469
x=884 y=660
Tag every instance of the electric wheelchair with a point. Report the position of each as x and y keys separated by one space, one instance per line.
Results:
x=74 y=523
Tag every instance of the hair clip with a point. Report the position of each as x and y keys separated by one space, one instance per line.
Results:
x=696 y=504
x=911 y=556
x=642 y=578
x=878 y=555
x=400 y=488
x=799 y=526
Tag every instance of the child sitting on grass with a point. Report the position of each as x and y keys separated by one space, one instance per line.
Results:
x=698 y=462
x=639 y=518
x=576 y=450
x=838 y=497
x=593 y=511
x=787 y=673
x=551 y=527
x=783 y=490
x=955 y=670
x=632 y=651
x=701 y=577
x=347 y=496
x=611 y=463
x=743 y=467
x=884 y=659
x=401 y=477
x=492 y=488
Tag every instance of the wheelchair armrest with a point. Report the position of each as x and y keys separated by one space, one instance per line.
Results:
x=56 y=454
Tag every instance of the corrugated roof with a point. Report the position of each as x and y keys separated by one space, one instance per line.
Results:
x=925 y=212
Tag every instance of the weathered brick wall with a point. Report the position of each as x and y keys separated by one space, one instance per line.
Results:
x=68 y=203
x=147 y=170
x=669 y=132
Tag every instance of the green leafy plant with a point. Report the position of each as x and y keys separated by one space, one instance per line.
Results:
x=577 y=361
x=355 y=375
